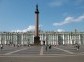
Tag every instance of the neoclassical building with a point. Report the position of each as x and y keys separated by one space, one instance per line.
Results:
x=50 y=37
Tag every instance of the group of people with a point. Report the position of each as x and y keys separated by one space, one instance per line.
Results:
x=18 y=45
x=1 y=46
x=48 y=47
x=77 y=46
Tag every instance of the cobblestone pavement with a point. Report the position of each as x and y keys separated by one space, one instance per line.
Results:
x=37 y=53
x=41 y=50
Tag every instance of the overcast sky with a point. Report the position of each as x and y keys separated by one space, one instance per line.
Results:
x=55 y=15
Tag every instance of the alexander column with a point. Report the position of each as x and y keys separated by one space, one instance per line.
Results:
x=36 y=37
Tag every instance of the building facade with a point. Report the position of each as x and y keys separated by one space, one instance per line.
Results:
x=50 y=37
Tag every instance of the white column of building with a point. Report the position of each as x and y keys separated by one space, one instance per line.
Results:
x=54 y=39
x=45 y=39
x=0 y=38
x=68 y=38
x=57 y=39
x=33 y=39
x=22 y=39
x=42 y=40
x=16 y=39
x=79 y=39
x=51 y=39
x=63 y=39
x=11 y=38
x=48 y=38
x=8 y=38
x=40 y=37
x=26 y=39
x=5 y=38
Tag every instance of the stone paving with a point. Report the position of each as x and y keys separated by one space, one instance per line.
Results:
x=41 y=50
x=62 y=53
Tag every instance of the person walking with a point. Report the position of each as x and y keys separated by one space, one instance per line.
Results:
x=49 y=46
x=1 y=46
x=77 y=46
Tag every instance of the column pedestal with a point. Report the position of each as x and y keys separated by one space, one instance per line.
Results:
x=36 y=40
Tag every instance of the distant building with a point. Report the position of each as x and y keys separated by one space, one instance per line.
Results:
x=50 y=37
